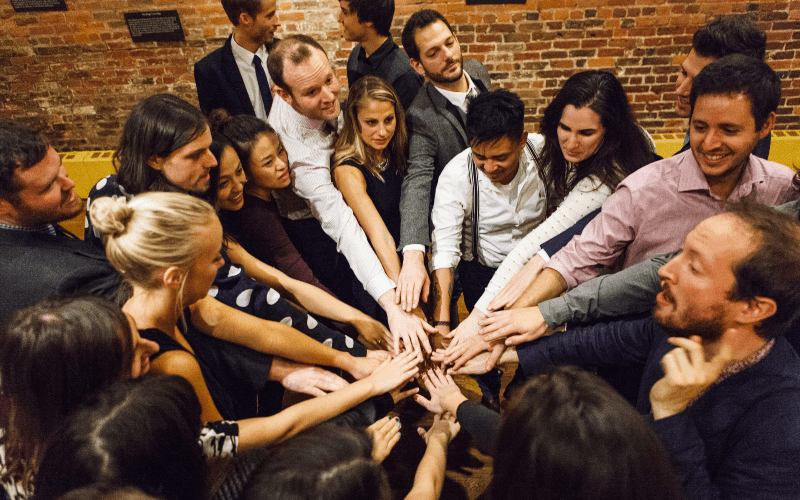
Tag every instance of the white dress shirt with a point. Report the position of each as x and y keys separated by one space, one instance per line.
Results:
x=507 y=213
x=310 y=148
x=588 y=195
x=459 y=99
x=244 y=60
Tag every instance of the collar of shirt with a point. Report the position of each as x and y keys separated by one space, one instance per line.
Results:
x=458 y=99
x=692 y=178
x=738 y=366
x=286 y=113
x=45 y=229
x=246 y=57
x=376 y=57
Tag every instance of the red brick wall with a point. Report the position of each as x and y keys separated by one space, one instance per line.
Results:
x=77 y=74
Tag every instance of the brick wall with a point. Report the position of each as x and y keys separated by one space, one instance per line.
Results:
x=76 y=74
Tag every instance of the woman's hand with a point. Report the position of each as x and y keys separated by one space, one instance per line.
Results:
x=444 y=427
x=385 y=433
x=394 y=373
x=445 y=396
x=517 y=285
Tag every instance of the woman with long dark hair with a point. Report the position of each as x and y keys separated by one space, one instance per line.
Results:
x=592 y=142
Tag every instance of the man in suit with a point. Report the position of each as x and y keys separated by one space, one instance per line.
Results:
x=234 y=77
x=436 y=134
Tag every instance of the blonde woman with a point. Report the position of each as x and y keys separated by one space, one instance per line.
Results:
x=167 y=246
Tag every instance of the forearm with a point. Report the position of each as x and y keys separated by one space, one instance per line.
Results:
x=629 y=291
x=387 y=254
x=259 y=432
x=429 y=477
x=218 y=320
x=443 y=290
x=548 y=284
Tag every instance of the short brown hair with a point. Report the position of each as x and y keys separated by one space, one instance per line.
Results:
x=296 y=48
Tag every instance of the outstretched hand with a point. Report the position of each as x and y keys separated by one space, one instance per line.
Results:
x=515 y=326
x=445 y=396
x=444 y=426
x=687 y=374
x=373 y=333
x=517 y=285
x=394 y=373
x=410 y=329
x=413 y=281
x=385 y=433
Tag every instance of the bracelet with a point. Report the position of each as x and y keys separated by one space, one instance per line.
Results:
x=441 y=323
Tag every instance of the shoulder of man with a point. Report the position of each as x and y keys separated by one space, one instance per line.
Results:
x=477 y=70
x=212 y=60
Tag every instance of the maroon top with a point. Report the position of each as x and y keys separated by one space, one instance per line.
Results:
x=257 y=227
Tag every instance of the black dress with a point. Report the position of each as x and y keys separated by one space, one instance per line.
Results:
x=385 y=195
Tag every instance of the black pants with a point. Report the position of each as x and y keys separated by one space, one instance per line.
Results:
x=475 y=278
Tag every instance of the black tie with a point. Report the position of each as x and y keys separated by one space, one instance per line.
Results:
x=263 y=84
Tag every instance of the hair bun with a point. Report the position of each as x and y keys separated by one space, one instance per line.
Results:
x=110 y=215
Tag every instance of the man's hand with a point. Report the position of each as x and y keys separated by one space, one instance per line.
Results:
x=385 y=433
x=406 y=327
x=461 y=354
x=445 y=396
x=517 y=285
x=515 y=326
x=687 y=374
x=467 y=329
x=304 y=379
x=413 y=281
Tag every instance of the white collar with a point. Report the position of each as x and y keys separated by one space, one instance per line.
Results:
x=240 y=53
x=457 y=98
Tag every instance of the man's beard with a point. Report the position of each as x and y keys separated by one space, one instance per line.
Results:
x=709 y=329
x=440 y=78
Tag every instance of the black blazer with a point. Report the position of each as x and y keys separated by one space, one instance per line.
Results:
x=219 y=83
x=35 y=265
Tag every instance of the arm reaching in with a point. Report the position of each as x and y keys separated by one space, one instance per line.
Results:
x=547 y=285
x=218 y=320
x=394 y=373
x=513 y=327
x=429 y=478
x=305 y=379
x=413 y=281
x=517 y=285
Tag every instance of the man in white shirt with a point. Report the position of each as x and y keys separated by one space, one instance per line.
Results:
x=488 y=198
x=234 y=77
x=495 y=183
x=307 y=116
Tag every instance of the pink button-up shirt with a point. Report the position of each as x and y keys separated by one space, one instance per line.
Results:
x=655 y=208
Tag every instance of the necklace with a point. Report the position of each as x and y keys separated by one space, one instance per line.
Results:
x=382 y=166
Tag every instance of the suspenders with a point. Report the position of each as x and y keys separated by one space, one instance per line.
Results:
x=473 y=179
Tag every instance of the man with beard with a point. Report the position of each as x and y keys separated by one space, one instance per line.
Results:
x=234 y=77
x=436 y=134
x=723 y=389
